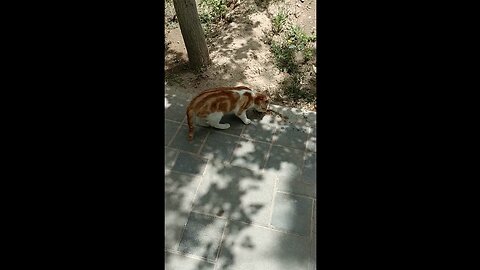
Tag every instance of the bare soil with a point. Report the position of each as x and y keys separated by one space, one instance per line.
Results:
x=238 y=51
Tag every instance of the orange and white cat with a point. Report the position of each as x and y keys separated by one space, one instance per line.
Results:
x=208 y=107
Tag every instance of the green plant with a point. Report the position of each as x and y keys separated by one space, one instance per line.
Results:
x=293 y=87
x=291 y=52
x=212 y=10
x=295 y=40
x=279 y=21
x=284 y=56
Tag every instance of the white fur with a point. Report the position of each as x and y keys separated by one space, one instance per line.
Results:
x=202 y=121
x=244 y=118
x=213 y=120
x=241 y=92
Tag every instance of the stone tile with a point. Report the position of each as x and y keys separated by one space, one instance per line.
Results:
x=175 y=108
x=292 y=136
x=312 y=140
x=313 y=254
x=296 y=186
x=236 y=125
x=250 y=154
x=179 y=192
x=170 y=129
x=219 y=146
x=181 y=140
x=315 y=216
x=260 y=130
x=255 y=248
x=176 y=262
x=202 y=236
x=311 y=144
x=188 y=163
x=285 y=163
x=170 y=155
x=296 y=116
x=311 y=118
x=292 y=213
x=310 y=168
x=236 y=193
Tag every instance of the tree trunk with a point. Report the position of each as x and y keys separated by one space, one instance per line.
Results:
x=192 y=33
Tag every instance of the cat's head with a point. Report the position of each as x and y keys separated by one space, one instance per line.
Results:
x=261 y=102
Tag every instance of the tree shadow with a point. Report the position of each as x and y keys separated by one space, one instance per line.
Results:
x=225 y=192
x=220 y=41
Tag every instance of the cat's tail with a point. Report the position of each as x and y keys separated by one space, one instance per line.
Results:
x=190 y=115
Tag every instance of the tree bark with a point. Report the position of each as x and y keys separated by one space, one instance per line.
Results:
x=192 y=33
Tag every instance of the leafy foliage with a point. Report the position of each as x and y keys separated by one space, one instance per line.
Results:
x=279 y=21
x=285 y=51
x=212 y=10
x=292 y=49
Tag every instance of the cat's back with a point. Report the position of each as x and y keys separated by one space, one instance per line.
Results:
x=221 y=95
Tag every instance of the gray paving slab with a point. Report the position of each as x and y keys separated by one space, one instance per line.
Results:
x=250 y=154
x=294 y=116
x=181 y=139
x=311 y=144
x=292 y=213
x=219 y=146
x=255 y=248
x=259 y=131
x=313 y=256
x=258 y=179
x=312 y=140
x=189 y=163
x=202 y=236
x=236 y=125
x=235 y=193
x=310 y=168
x=292 y=136
x=179 y=193
x=180 y=262
x=175 y=108
x=296 y=186
x=170 y=156
x=285 y=163
x=170 y=130
x=315 y=216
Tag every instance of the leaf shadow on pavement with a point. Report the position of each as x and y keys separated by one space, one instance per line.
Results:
x=240 y=194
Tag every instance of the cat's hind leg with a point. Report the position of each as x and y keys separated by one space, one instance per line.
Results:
x=213 y=120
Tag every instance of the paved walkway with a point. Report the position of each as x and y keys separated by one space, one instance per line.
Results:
x=241 y=198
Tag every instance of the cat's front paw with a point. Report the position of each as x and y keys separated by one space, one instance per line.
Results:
x=247 y=121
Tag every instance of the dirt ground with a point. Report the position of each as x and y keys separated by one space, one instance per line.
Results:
x=238 y=50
